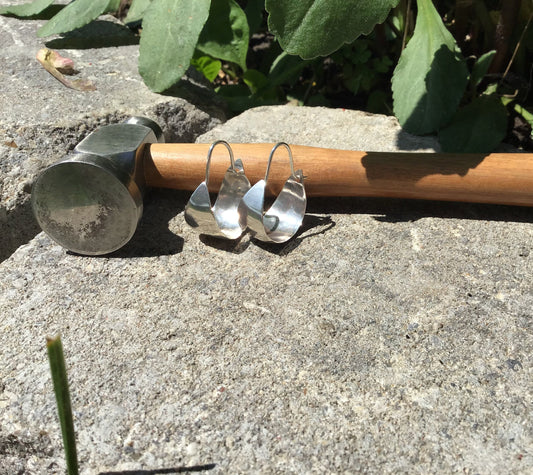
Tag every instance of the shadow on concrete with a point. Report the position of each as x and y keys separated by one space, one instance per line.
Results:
x=401 y=210
x=312 y=225
x=233 y=246
x=161 y=471
x=412 y=143
x=97 y=34
x=308 y=229
x=17 y=228
x=153 y=236
x=46 y=14
x=197 y=90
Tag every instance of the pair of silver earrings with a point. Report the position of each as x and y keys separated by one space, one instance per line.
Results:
x=239 y=206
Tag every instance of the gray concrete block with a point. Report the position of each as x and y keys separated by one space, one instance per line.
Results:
x=41 y=119
x=387 y=337
x=322 y=127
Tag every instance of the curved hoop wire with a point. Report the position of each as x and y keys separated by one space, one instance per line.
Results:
x=279 y=144
x=213 y=145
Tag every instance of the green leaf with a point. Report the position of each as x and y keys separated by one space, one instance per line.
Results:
x=170 y=32
x=112 y=6
x=311 y=28
x=526 y=115
x=225 y=34
x=430 y=77
x=353 y=83
x=26 y=9
x=255 y=80
x=481 y=67
x=286 y=69
x=476 y=128
x=377 y=102
x=64 y=409
x=74 y=15
x=137 y=10
x=239 y=99
x=254 y=14
x=208 y=66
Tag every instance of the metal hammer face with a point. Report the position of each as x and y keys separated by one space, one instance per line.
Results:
x=91 y=201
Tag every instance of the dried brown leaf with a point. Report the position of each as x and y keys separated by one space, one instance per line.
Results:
x=57 y=66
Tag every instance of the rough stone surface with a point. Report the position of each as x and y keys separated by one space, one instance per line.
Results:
x=387 y=337
x=41 y=120
x=322 y=127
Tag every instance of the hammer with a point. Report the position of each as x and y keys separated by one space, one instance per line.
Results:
x=91 y=201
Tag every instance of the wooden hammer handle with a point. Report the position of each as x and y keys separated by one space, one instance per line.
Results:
x=498 y=178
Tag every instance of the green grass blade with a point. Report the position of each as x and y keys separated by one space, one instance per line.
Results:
x=64 y=409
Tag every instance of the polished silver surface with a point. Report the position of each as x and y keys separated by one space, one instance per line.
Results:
x=283 y=219
x=90 y=202
x=224 y=218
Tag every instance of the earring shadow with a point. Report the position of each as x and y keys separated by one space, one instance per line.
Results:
x=310 y=222
x=233 y=246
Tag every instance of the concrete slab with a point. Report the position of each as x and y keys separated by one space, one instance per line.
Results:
x=341 y=128
x=41 y=120
x=387 y=337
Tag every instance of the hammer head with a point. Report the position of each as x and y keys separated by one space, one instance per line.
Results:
x=90 y=202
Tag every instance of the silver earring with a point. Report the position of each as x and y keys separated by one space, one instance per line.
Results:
x=283 y=219
x=223 y=219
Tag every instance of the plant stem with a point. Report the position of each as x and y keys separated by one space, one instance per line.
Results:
x=504 y=30
x=64 y=409
x=393 y=28
x=407 y=25
x=517 y=47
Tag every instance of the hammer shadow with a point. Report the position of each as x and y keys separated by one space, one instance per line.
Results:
x=153 y=237
x=161 y=471
x=393 y=210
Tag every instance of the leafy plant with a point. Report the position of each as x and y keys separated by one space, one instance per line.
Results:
x=174 y=41
x=311 y=28
x=448 y=80
x=431 y=76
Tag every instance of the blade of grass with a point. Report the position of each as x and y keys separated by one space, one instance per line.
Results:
x=64 y=409
x=528 y=116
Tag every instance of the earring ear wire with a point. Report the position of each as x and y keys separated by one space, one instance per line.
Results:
x=224 y=219
x=283 y=219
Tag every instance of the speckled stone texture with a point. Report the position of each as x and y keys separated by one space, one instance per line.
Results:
x=387 y=337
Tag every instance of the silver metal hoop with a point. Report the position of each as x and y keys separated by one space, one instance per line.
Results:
x=224 y=219
x=283 y=219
